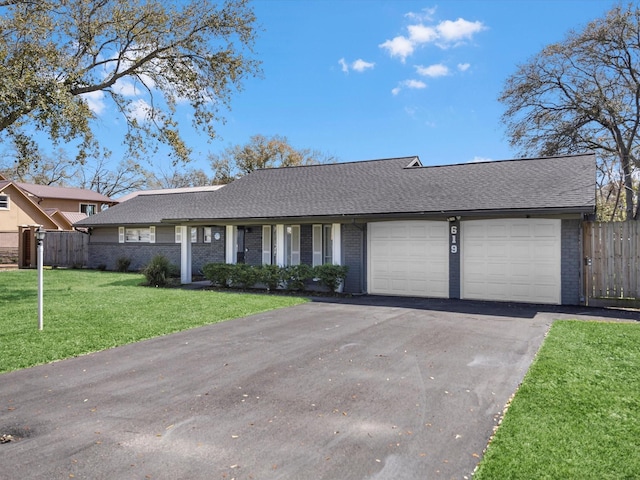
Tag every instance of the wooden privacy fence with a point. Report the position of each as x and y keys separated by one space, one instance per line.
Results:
x=612 y=263
x=66 y=249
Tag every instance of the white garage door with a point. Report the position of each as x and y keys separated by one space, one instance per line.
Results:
x=511 y=260
x=409 y=258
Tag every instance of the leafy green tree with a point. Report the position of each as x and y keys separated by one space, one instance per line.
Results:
x=261 y=152
x=145 y=57
x=583 y=94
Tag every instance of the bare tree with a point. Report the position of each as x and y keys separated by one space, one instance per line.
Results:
x=178 y=178
x=584 y=94
x=262 y=152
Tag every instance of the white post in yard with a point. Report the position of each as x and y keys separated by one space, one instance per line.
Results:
x=39 y=234
x=185 y=255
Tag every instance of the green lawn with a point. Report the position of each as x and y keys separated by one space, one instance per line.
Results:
x=86 y=311
x=577 y=412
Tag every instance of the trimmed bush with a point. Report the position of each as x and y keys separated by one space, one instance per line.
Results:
x=243 y=276
x=218 y=274
x=159 y=271
x=296 y=276
x=270 y=275
x=123 y=264
x=330 y=276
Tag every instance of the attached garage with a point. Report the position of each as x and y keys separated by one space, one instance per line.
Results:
x=409 y=258
x=511 y=260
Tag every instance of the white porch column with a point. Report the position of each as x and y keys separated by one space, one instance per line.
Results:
x=230 y=241
x=185 y=254
x=280 y=245
x=336 y=244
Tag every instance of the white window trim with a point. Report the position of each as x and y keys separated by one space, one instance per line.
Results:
x=8 y=201
x=337 y=241
x=178 y=233
x=266 y=244
x=206 y=234
x=295 y=244
x=318 y=244
x=231 y=247
x=94 y=205
x=122 y=234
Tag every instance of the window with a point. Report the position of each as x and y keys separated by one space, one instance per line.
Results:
x=4 y=202
x=88 y=208
x=326 y=244
x=292 y=244
x=207 y=234
x=194 y=234
x=137 y=235
x=281 y=245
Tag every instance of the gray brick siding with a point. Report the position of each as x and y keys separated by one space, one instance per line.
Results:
x=571 y=262
x=353 y=256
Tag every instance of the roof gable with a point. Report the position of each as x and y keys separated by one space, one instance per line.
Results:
x=23 y=201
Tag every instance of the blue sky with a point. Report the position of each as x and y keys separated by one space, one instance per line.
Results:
x=366 y=79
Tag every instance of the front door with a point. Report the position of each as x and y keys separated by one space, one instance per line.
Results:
x=26 y=248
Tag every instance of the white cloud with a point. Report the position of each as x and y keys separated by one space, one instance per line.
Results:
x=359 y=65
x=425 y=15
x=139 y=110
x=463 y=67
x=458 y=31
x=95 y=101
x=410 y=84
x=126 y=88
x=419 y=34
x=445 y=34
x=399 y=47
x=437 y=70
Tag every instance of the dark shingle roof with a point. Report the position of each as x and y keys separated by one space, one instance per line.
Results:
x=377 y=187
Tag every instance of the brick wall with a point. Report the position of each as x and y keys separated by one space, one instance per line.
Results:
x=571 y=262
x=353 y=237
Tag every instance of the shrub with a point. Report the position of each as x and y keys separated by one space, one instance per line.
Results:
x=217 y=273
x=243 y=275
x=296 y=276
x=159 y=271
x=331 y=276
x=123 y=264
x=270 y=275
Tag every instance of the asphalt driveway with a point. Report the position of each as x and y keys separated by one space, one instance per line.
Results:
x=362 y=389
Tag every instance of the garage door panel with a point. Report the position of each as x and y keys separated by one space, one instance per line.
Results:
x=409 y=258
x=511 y=260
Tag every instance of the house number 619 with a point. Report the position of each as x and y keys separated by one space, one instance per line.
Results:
x=454 y=238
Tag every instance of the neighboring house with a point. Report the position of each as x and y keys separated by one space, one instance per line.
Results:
x=506 y=230
x=24 y=207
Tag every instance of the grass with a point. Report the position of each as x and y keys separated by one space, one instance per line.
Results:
x=87 y=311
x=576 y=413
